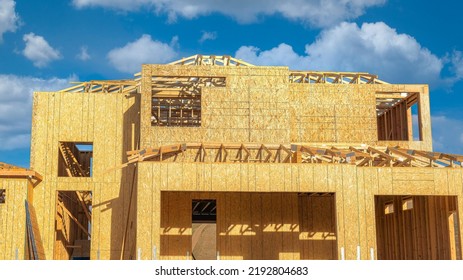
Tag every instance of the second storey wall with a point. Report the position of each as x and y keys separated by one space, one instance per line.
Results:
x=258 y=104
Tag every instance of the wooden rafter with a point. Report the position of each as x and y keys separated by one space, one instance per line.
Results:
x=11 y=171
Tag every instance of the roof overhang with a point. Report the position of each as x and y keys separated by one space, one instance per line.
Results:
x=11 y=171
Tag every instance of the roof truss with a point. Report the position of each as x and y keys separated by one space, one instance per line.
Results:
x=317 y=77
x=361 y=155
x=220 y=60
x=109 y=86
x=133 y=85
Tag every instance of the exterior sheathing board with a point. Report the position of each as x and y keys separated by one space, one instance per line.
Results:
x=86 y=117
x=354 y=188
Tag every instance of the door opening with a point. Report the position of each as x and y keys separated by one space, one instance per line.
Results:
x=204 y=229
x=73 y=225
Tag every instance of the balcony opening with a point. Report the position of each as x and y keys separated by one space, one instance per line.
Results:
x=398 y=116
x=75 y=159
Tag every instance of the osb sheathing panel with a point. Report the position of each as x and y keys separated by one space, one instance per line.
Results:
x=259 y=104
x=253 y=107
x=354 y=188
x=347 y=113
x=106 y=121
x=252 y=225
x=13 y=218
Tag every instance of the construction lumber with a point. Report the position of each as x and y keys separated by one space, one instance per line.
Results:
x=11 y=171
x=35 y=245
x=84 y=229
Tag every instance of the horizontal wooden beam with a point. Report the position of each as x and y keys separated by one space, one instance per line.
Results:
x=9 y=173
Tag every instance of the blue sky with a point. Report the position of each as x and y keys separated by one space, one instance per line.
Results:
x=46 y=44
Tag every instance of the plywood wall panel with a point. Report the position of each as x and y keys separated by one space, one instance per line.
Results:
x=447 y=181
x=362 y=216
x=350 y=194
x=370 y=188
x=320 y=177
x=276 y=177
x=53 y=115
x=82 y=117
x=306 y=178
x=13 y=219
x=146 y=198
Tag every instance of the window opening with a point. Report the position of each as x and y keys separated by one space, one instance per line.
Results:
x=176 y=101
x=75 y=159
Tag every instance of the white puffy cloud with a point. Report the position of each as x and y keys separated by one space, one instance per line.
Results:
x=16 y=107
x=144 y=50
x=83 y=54
x=375 y=48
x=447 y=134
x=126 y=5
x=39 y=51
x=282 y=55
x=372 y=47
x=207 y=36
x=9 y=20
x=314 y=12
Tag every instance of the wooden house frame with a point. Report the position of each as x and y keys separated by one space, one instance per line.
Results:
x=297 y=165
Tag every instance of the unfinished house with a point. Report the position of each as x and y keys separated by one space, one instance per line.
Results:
x=210 y=157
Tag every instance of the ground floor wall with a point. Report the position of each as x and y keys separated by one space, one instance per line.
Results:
x=354 y=187
x=13 y=218
x=253 y=225
x=136 y=217
x=113 y=216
